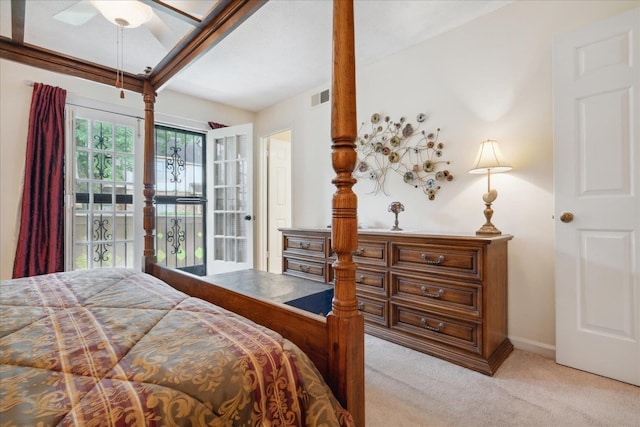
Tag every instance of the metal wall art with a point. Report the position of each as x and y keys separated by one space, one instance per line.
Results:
x=401 y=147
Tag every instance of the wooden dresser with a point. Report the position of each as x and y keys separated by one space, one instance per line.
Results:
x=445 y=295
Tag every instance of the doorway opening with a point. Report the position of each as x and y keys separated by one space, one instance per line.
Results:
x=277 y=206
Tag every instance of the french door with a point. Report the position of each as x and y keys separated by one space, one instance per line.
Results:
x=103 y=226
x=181 y=205
x=231 y=191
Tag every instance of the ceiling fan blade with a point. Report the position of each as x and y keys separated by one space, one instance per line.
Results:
x=77 y=14
x=161 y=31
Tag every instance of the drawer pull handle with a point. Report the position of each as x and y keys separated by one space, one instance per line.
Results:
x=305 y=268
x=359 y=252
x=431 y=328
x=360 y=279
x=427 y=294
x=360 y=306
x=431 y=261
x=305 y=245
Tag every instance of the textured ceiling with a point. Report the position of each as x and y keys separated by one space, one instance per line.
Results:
x=285 y=47
x=282 y=50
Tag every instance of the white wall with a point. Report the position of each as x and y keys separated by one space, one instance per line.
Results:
x=490 y=78
x=15 y=103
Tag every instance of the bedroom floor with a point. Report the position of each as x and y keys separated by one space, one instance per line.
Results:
x=406 y=388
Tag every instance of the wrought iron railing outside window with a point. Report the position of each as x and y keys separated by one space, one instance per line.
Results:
x=180 y=199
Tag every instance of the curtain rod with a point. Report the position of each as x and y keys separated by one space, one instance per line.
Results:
x=31 y=83
x=164 y=119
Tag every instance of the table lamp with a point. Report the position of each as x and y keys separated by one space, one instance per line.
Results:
x=489 y=160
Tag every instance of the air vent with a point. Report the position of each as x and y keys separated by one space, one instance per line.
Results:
x=319 y=98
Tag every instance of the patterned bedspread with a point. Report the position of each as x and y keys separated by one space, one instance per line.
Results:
x=118 y=347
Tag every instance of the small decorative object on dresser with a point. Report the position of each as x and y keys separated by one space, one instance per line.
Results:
x=396 y=208
x=444 y=295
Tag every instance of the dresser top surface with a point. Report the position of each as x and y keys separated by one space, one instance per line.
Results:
x=404 y=233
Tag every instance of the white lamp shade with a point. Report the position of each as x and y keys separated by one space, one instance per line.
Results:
x=124 y=13
x=489 y=158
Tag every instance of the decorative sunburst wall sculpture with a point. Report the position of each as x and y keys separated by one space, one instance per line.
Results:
x=400 y=147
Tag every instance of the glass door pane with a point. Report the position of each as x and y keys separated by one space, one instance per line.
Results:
x=101 y=220
x=180 y=199
x=232 y=217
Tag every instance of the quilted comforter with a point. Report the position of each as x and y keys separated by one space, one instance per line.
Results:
x=118 y=347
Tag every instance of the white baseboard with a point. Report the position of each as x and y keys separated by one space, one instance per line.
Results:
x=536 y=347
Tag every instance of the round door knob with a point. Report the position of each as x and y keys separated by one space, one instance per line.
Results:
x=248 y=217
x=566 y=217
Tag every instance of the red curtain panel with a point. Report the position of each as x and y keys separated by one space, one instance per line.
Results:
x=40 y=248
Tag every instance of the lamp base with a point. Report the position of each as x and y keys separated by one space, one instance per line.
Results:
x=488 y=229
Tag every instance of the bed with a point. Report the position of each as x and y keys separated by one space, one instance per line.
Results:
x=120 y=347
x=334 y=344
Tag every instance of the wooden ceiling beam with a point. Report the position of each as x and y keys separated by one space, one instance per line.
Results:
x=17 y=20
x=58 y=63
x=216 y=26
x=226 y=16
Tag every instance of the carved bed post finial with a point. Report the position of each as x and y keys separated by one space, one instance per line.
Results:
x=149 y=177
x=345 y=323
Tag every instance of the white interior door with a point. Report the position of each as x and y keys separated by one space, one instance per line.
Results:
x=230 y=194
x=279 y=196
x=596 y=81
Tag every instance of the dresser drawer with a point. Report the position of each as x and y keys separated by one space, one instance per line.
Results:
x=373 y=310
x=445 y=296
x=463 y=262
x=304 y=268
x=305 y=245
x=371 y=281
x=368 y=252
x=434 y=327
x=371 y=253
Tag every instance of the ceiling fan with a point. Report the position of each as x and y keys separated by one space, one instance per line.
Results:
x=125 y=14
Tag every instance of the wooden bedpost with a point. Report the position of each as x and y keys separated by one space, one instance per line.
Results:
x=345 y=323
x=149 y=178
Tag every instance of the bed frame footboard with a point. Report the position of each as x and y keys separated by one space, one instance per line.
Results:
x=307 y=330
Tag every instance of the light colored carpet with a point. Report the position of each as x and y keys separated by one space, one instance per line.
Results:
x=406 y=388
